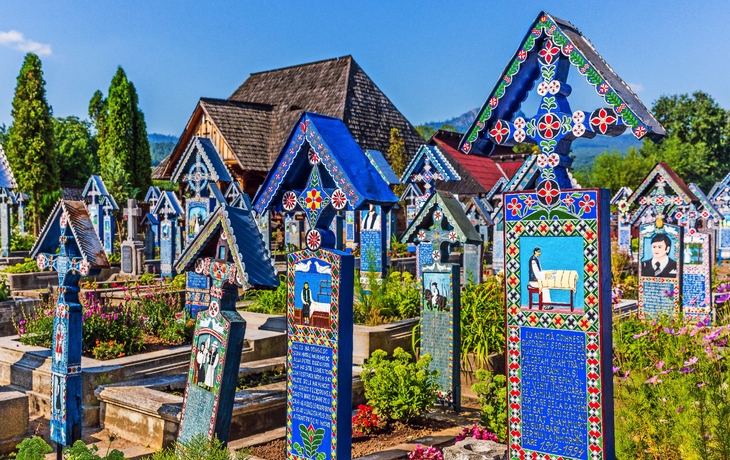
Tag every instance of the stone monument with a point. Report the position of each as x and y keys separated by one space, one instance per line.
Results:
x=132 y=248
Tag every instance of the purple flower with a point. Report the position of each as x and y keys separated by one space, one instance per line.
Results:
x=616 y=369
x=659 y=365
x=701 y=384
x=680 y=409
x=638 y=336
x=687 y=370
x=655 y=380
x=691 y=362
x=669 y=330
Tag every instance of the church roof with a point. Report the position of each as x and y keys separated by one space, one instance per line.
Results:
x=247 y=246
x=521 y=73
x=257 y=118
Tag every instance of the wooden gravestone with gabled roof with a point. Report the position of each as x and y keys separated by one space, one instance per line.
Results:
x=229 y=251
x=557 y=244
x=440 y=224
x=620 y=200
x=200 y=165
x=8 y=198
x=94 y=195
x=322 y=171
x=170 y=210
x=69 y=230
x=426 y=167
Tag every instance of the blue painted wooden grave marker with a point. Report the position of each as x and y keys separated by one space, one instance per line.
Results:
x=169 y=209
x=7 y=200
x=440 y=328
x=229 y=251
x=199 y=166
x=322 y=171
x=557 y=245
x=70 y=229
x=108 y=205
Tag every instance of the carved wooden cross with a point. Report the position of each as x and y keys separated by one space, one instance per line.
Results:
x=555 y=126
x=198 y=175
x=131 y=213
x=437 y=235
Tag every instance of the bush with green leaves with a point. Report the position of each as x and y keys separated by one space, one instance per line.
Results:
x=199 y=448
x=482 y=320
x=491 y=390
x=399 y=389
x=271 y=302
x=394 y=298
x=20 y=242
x=27 y=266
x=34 y=448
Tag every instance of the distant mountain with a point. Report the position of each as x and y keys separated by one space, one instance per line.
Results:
x=155 y=137
x=585 y=150
x=160 y=146
x=461 y=123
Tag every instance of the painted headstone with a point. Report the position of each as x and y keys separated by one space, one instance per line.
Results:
x=442 y=223
x=439 y=328
x=151 y=225
x=558 y=295
x=295 y=230
x=169 y=209
x=7 y=200
x=319 y=354
x=373 y=250
x=320 y=279
x=131 y=248
x=230 y=251
x=409 y=197
x=151 y=198
x=70 y=230
x=108 y=205
x=350 y=230
x=199 y=166
x=22 y=199
x=426 y=167
x=660 y=266
x=696 y=277
x=620 y=201
x=93 y=193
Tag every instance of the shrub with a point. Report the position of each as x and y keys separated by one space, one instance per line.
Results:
x=491 y=391
x=482 y=320
x=425 y=453
x=79 y=451
x=199 y=448
x=399 y=389
x=271 y=302
x=27 y=266
x=34 y=448
x=365 y=422
x=476 y=432
x=156 y=305
x=104 y=322
x=393 y=298
x=37 y=329
x=20 y=242
x=108 y=350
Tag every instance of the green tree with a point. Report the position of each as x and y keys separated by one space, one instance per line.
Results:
x=124 y=151
x=397 y=157
x=76 y=150
x=29 y=145
x=612 y=170
x=697 y=146
x=425 y=131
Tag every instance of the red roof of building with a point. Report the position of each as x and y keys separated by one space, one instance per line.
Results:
x=478 y=172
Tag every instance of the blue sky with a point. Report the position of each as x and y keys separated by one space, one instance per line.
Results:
x=433 y=59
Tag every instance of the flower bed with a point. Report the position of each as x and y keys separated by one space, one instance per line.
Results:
x=147 y=315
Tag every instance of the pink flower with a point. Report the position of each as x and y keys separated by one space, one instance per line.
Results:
x=691 y=362
x=655 y=380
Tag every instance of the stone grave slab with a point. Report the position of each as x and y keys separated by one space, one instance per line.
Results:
x=440 y=328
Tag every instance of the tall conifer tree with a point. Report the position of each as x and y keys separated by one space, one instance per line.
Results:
x=397 y=157
x=29 y=143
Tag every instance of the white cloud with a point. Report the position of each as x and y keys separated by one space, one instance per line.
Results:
x=636 y=87
x=15 y=39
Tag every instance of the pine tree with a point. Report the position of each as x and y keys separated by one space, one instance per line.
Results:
x=124 y=151
x=29 y=144
x=397 y=157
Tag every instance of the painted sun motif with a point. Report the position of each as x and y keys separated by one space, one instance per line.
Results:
x=314 y=199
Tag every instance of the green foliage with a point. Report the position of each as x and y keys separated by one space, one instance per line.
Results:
x=482 y=320
x=391 y=299
x=426 y=131
x=124 y=151
x=76 y=150
x=178 y=282
x=397 y=157
x=160 y=150
x=34 y=448
x=671 y=390
x=199 y=448
x=491 y=390
x=20 y=242
x=28 y=266
x=29 y=144
x=79 y=451
x=271 y=302
x=613 y=170
x=4 y=288
x=37 y=328
x=108 y=350
x=399 y=389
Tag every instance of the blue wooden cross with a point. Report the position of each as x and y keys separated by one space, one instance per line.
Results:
x=436 y=236
x=66 y=341
x=555 y=126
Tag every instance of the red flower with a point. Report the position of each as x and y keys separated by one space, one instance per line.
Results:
x=514 y=206
x=586 y=203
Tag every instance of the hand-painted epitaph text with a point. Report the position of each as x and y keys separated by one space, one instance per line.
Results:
x=311 y=389
x=554 y=391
